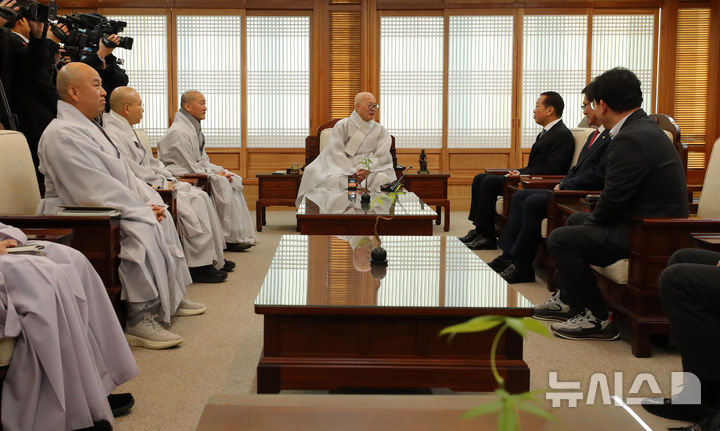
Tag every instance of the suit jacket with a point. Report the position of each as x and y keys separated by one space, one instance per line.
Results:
x=589 y=171
x=645 y=176
x=552 y=152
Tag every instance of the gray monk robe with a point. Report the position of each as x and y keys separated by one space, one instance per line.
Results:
x=82 y=167
x=352 y=140
x=183 y=152
x=198 y=224
x=70 y=352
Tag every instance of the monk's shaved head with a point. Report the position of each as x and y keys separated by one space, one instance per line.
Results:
x=193 y=102
x=122 y=96
x=73 y=74
x=80 y=85
x=365 y=105
x=189 y=97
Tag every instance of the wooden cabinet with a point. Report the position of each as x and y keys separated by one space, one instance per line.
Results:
x=280 y=190
x=433 y=190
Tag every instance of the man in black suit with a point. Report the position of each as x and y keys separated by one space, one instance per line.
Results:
x=645 y=178
x=690 y=292
x=519 y=240
x=550 y=154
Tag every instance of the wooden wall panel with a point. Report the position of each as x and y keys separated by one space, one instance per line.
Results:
x=411 y=157
x=265 y=162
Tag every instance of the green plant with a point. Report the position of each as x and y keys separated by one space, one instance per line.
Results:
x=508 y=405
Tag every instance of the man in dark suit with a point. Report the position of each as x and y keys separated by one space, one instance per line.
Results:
x=690 y=292
x=550 y=154
x=519 y=240
x=645 y=178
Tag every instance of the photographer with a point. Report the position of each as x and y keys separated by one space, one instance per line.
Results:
x=32 y=95
x=108 y=67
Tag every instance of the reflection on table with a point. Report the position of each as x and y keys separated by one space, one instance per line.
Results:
x=321 y=201
x=426 y=272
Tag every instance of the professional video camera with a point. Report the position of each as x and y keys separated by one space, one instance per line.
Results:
x=85 y=31
x=31 y=10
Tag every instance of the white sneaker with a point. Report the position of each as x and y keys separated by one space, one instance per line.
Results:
x=149 y=333
x=189 y=308
x=585 y=326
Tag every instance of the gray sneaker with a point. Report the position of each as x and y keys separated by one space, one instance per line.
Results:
x=553 y=309
x=585 y=326
x=190 y=308
x=149 y=333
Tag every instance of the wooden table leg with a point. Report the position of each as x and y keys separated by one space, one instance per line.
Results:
x=259 y=210
x=447 y=216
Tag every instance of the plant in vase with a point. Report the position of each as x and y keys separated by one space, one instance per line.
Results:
x=508 y=405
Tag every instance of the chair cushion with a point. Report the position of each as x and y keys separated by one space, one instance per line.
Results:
x=144 y=140
x=324 y=137
x=19 y=193
x=7 y=346
x=709 y=205
x=617 y=272
x=580 y=134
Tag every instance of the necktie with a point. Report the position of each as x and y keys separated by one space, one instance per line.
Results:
x=107 y=137
x=540 y=135
x=592 y=141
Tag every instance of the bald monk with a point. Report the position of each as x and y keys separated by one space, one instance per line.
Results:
x=83 y=167
x=198 y=225
x=353 y=139
x=183 y=152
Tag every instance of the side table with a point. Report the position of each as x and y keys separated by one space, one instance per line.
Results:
x=433 y=190
x=280 y=190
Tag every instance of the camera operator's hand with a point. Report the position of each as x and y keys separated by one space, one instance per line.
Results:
x=52 y=36
x=7 y=4
x=103 y=50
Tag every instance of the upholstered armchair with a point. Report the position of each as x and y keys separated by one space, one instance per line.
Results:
x=97 y=237
x=314 y=144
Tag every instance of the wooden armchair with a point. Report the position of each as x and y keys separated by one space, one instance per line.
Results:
x=97 y=237
x=314 y=144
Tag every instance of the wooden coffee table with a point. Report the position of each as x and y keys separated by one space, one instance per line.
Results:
x=335 y=213
x=331 y=321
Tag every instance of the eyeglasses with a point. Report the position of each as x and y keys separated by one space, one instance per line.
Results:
x=373 y=105
x=584 y=105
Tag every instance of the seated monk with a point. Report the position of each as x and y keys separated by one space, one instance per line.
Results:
x=354 y=140
x=70 y=353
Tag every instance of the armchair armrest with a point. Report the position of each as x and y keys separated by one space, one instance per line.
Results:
x=540 y=182
x=497 y=171
x=202 y=180
x=169 y=196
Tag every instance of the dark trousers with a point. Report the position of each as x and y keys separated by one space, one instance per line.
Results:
x=690 y=292
x=574 y=248
x=521 y=235
x=485 y=190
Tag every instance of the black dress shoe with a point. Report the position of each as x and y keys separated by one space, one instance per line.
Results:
x=237 y=246
x=482 y=243
x=518 y=274
x=120 y=404
x=678 y=412
x=102 y=425
x=207 y=274
x=229 y=266
x=472 y=233
x=499 y=264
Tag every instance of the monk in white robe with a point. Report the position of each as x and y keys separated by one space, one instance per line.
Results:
x=198 y=225
x=182 y=151
x=354 y=139
x=83 y=167
x=70 y=352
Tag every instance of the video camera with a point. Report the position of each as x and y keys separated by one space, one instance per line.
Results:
x=32 y=10
x=85 y=31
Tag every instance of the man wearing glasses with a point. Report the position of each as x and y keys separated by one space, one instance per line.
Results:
x=356 y=143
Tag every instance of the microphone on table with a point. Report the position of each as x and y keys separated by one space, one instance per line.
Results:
x=390 y=187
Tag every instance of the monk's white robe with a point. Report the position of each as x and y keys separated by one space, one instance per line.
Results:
x=83 y=167
x=70 y=351
x=351 y=141
x=198 y=225
x=182 y=151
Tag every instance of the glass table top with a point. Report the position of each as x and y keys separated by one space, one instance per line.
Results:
x=316 y=202
x=426 y=272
